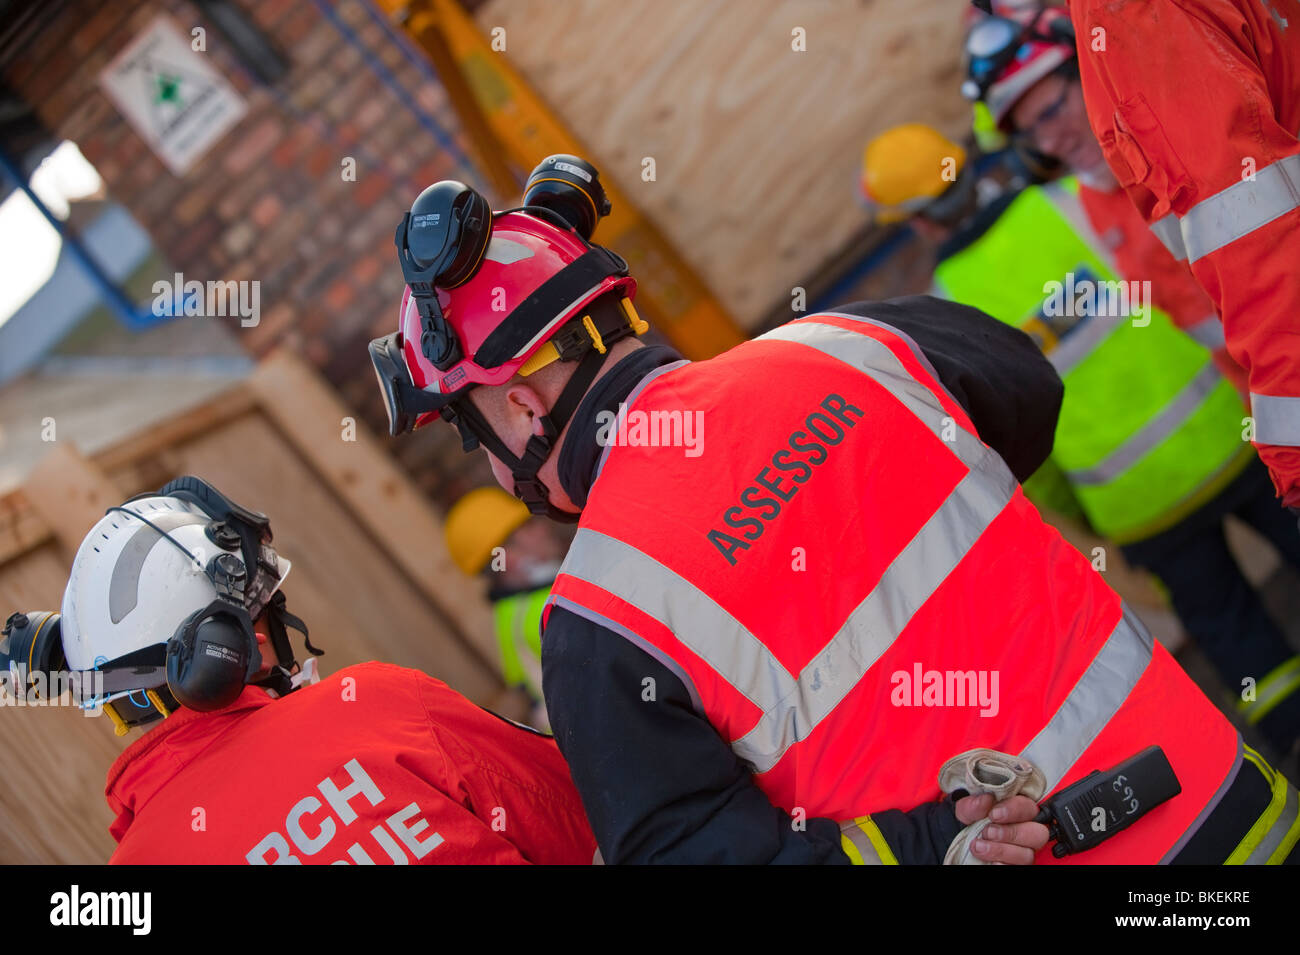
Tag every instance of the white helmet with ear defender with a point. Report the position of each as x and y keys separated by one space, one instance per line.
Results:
x=162 y=598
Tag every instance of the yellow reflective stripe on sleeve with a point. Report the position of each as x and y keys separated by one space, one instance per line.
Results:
x=1280 y=683
x=864 y=843
x=1274 y=834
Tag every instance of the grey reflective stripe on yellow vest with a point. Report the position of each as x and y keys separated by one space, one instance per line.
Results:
x=1208 y=331
x=792 y=705
x=1149 y=430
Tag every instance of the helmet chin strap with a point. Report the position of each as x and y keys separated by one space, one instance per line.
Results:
x=523 y=469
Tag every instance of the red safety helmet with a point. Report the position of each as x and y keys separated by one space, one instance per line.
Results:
x=491 y=295
x=499 y=325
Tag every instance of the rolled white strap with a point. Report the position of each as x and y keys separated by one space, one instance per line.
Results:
x=980 y=771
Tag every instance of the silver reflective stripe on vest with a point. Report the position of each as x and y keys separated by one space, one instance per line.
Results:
x=711 y=633
x=636 y=640
x=907 y=583
x=1150 y=435
x=792 y=708
x=1277 y=420
x=874 y=359
x=1085 y=337
x=1071 y=209
x=1093 y=701
x=1208 y=332
x=1210 y=806
x=1241 y=208
x=1170 y=235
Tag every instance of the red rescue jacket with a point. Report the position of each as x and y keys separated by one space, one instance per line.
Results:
x=376 y=763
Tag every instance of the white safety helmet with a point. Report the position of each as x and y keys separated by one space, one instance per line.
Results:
x=130 y=588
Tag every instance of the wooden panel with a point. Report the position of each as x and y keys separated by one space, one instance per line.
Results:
x=381 y=497
x=757 y=147
x=52 y=807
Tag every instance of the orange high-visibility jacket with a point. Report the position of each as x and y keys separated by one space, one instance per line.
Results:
x=841 y=535
x=1196 y=104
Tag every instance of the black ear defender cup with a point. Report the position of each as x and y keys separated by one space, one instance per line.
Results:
x=33 y=642
x=570 y=187
x=214 y=653
x=212 y=656
x=449 y=230
x=440 y=244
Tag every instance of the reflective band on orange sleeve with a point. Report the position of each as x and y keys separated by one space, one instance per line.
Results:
x=1241 y=208
x=1170 y=235
x=1277 y=420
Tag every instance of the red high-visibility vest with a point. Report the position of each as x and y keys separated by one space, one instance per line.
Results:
x=853 y=588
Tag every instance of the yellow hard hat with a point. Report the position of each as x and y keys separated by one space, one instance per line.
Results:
x=906 y=167
x=481 y=520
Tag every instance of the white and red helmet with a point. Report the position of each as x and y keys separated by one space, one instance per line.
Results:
x=1011 y=50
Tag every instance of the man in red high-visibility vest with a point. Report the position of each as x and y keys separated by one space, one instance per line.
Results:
x=244 y=761
x=805 y=578
x=1196 y=104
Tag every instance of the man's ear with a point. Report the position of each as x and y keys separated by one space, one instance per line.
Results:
x=523 y=400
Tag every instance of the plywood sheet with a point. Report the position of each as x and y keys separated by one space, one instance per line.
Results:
x=756 y=147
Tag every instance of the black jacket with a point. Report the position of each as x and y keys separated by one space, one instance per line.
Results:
x=657 y=781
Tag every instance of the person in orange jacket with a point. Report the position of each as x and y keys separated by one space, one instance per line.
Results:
x=1037 y=97
x=1196 y=104
x=174 y=620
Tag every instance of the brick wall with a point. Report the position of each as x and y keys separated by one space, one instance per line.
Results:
x=269 y=201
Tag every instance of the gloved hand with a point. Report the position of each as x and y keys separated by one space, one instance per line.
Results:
x=1000 y=810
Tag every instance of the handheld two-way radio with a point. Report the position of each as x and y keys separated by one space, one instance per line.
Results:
x=1087 y=813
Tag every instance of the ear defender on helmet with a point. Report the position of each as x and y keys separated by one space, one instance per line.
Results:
x=440 y=244
x=212 y=656
x=569 y=187
x=214 y=653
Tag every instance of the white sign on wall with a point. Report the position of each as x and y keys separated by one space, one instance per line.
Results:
x=171 y=95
